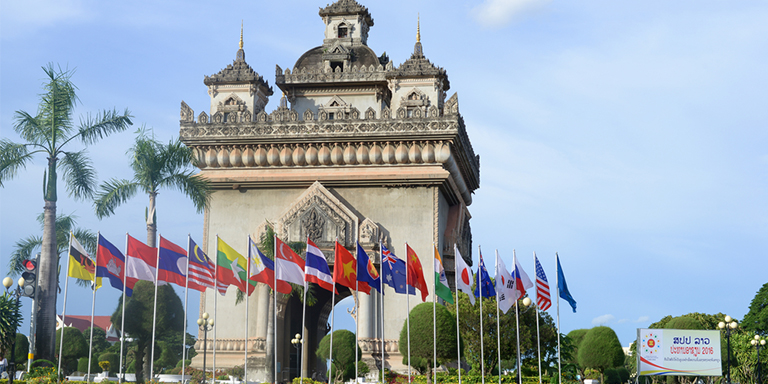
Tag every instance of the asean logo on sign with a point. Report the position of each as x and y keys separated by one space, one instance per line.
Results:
x=650 y=344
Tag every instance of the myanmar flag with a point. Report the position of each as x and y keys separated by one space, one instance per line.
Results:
x=231 y=267
x=441 y=282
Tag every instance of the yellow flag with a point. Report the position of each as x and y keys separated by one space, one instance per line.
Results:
x=81 y=265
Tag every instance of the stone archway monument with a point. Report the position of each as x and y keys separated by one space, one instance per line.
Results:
x=360 y=150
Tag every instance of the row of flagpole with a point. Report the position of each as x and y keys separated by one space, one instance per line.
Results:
x=213 y=277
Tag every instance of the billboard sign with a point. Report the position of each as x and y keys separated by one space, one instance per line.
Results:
x=678 y=352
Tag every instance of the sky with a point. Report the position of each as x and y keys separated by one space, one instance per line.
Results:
x=628 y=137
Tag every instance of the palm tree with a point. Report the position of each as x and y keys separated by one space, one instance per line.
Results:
x=24 y=249
x=49 y=132
x=155 y=166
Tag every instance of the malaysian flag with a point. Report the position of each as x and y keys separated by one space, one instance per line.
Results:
x=200 y=269
x=543 y=300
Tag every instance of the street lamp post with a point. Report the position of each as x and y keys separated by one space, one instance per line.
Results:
x=758 y=342
x=729 y=325
x=297 y=341
x=205 y=325
x=7 y=283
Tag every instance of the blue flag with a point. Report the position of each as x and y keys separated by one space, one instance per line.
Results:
x=485 y=281
x=366 y=271
x=393 y=272
x=562 y=287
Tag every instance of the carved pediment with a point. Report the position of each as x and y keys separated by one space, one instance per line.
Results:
x=369 y=233
x=317 y=213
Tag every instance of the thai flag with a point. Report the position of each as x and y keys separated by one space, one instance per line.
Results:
x=316 y=267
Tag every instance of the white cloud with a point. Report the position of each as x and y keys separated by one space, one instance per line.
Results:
x=498 y=13
x=604 y=319
x=642 y=319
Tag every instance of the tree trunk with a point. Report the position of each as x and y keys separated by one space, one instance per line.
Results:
x=138 y=364
x=148 y=360
x=48 y=279
x=152 y=221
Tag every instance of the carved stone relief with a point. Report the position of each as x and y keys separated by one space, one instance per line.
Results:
x=369 y=233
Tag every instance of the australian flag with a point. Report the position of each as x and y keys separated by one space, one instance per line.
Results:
x=393 y=271
x=485 y=281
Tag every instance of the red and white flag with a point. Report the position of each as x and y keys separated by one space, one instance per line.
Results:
x=201 y=274
x=288 y=265
x=522 y=282
x=543 y=301
x=464 y=276
x=140 y=262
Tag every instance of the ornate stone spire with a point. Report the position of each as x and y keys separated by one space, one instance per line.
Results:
x=241 y=34
x=240 y=52
x=417 y=50
x=418 y=28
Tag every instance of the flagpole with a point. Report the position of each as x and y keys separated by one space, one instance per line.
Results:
x=64 y=310
x=154 y=320
x=536 y=306
x=434 y=318
x=498 y=321
x=456 y=277
x=559 y=367
x=357 y=309
x=215 y=307
x=517 y=321
x=381 y=283
x=247 y=287
x=333 y=313
x=408 y=308
x=480 y=290
x=93 y=308
x=274 y=304
x=122 y=324
x=184 y=330
x=304 y=317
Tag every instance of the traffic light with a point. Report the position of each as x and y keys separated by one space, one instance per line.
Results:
x=30 y=278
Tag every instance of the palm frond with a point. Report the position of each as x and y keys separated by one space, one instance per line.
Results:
x=111 y=194
x=13 y=157
x=23 y=250
x=197 y=188
x=103 y=124
x=79 y=174
x=56 y=104
x=29 y=129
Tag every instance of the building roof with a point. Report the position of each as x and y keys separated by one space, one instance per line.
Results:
x=237 y=72
x=347 y=7
x=419 y=66
x=360 y=55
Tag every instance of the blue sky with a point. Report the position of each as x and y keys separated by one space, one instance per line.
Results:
x=627 y=136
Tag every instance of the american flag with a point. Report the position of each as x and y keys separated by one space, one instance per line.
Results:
x=543 y=300
x=200 y=269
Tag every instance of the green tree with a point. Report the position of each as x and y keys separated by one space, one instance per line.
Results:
x=756 y=320
x=24 y=249
x=684 y=322
x=100 y=343
x=10 y=319
x=575 y=337
x=48 y=133
x=343 y=363
x=75 y=347
x=140 y=306
x=22 y=349
x=155 y=165
x=422 y=340
x=600 y=349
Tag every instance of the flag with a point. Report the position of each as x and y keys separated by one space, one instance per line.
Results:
x=522 y=282
x=288 y=265
x=110 y=263
x=505 y=286
x=441 y=282
x=416 y=273
x=543 y=301
x=81 y=265
x=316 y=267
x=263 y=270
x=344 y=267
x=140 y=262
x=366 y=272
x=231 y=267
x=172 y=265
x=485 y=281
x=464 y=275
x=201 y=270
x=393 y=271
x=562 y=287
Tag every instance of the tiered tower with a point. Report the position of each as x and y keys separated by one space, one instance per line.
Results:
x=358 y=150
